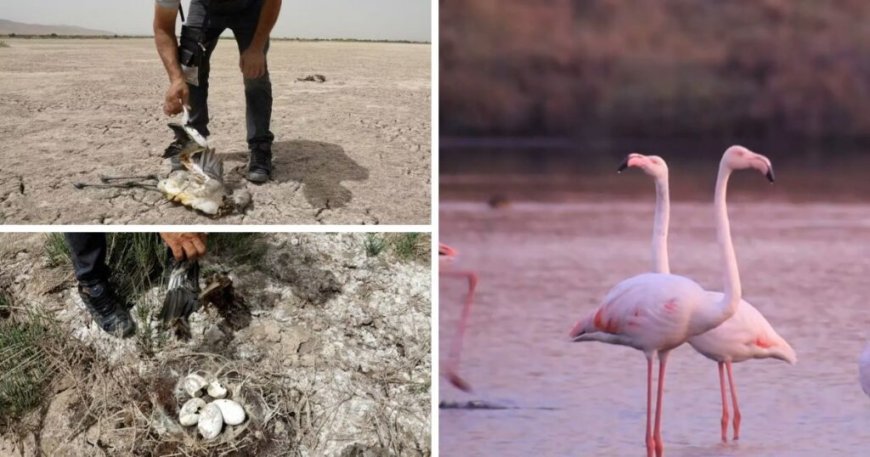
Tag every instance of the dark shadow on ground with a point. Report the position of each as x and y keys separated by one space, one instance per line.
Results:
x=485 y=405
x=320 y=168
x=300 y=271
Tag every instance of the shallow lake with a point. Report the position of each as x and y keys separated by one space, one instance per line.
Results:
x=542 y=266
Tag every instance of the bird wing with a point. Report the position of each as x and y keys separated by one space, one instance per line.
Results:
x=646 y=311
x=181 y=134
x=744 y=335
x=185 y=133
x=188 y=137
x=178 y=304
x=209 y=165
x=182 y=296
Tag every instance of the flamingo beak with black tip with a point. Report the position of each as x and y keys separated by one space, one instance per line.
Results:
x=624 y=164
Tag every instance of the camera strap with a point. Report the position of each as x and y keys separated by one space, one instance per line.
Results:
x=181 y=11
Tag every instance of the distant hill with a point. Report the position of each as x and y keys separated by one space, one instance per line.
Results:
x=19 y=28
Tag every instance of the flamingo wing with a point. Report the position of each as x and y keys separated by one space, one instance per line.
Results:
x=745 y=335
x=648 y=312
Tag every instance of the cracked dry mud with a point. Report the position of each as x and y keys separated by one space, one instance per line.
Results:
x=340 y=338
x=345 y=150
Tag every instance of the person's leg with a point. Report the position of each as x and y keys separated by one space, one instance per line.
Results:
x=199 y=94
x=88 y=253
x=199 y=34
x=258 y=107
x=258 y=100
x=203 y=31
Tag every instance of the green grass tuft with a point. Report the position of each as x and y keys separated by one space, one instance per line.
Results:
x=136 y=260
x=411 y=246
x=149 y=340
x=26 y=366
x=3 y=44
x=56 y=249
x=374 y=244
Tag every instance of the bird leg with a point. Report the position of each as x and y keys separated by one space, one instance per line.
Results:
x=650 y=442
x=129 y=182
x=456 y=344
x=657 y=432
x=123 y=185
x=724 y=402
x=734 y=400
x=107 y=179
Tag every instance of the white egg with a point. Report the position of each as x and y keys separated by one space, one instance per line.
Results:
x=232 y=412
x=193 y=385
x=189 y=414
x=216 y=390
x=211 y=422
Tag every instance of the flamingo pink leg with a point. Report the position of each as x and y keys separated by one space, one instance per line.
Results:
x=650 y=442
x=724 y=402
x=454 y=355
x=660 y=447
x=734 y=400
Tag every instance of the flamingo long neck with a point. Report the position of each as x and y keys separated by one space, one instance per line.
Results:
x=732 y=289
x=661 y=220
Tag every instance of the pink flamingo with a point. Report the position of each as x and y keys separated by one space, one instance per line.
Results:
x=656 y=312
x=746 y=335
x=446 y=256
x=864 y=370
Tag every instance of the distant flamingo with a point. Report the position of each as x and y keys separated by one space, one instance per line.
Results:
x=446 y=256
x=656 y=312
x=864 y=370
x=746 y=335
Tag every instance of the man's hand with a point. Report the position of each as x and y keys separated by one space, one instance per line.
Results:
x=190 y=246
x=252 y=62
x=176 y=97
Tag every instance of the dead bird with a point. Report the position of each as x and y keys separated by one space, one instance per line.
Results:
x=182 y=296
x=198 y=185
x=313 y=78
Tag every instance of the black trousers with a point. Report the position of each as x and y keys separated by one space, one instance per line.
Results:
x=88 y=251
x=258 y=91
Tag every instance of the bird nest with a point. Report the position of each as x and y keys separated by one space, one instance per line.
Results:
x=264 y=400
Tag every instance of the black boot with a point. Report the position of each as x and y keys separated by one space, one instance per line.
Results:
x=260 y=164
x=110 y=314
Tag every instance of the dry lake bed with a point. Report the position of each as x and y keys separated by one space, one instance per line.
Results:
x=346 y=150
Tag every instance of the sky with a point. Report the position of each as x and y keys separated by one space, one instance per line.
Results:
x=359 y=19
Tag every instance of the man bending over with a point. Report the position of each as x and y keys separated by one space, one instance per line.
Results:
x=187 y=65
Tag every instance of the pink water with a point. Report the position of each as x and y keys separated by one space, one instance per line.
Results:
x=542 y=266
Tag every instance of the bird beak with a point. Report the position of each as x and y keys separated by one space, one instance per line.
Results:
x=769 y=173
x=623 y=166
